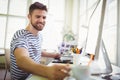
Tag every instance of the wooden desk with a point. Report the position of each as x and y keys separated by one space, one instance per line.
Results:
x=94 y=77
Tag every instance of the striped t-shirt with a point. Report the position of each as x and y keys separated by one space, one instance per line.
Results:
x=25 y=39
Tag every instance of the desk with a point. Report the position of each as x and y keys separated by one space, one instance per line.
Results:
x=115 y=70
x=94 y=77
x=34 y=77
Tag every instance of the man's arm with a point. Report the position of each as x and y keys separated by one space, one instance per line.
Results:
x=25 y=63
x=52 y=55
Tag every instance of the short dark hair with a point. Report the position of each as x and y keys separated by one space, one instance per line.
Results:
x=37 y=5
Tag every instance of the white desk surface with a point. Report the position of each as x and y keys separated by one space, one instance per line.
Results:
x=97 y=77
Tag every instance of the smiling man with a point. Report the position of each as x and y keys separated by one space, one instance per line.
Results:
x=26 y=49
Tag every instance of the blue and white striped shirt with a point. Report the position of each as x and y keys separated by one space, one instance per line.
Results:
x=25 y=39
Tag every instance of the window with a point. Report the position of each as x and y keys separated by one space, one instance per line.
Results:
x=12 y=18
x=14 y=24
x=110 y=30
x=3 y=6
x=18 y=7
x=2 y=30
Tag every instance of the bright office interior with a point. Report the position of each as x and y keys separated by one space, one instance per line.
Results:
x=65 y=16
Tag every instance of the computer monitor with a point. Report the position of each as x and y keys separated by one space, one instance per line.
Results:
x=101 y=63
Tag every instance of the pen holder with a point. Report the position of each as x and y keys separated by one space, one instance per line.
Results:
x=76 y=59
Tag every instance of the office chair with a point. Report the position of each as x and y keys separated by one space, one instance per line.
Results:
x=7 y=62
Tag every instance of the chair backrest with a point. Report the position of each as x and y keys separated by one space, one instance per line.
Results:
x=7 y=57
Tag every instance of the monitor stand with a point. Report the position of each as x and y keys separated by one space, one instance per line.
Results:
x=101 y=63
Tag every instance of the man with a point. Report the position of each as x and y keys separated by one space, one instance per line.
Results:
x=26 y=49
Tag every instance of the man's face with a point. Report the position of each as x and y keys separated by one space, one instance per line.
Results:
x=37 y=19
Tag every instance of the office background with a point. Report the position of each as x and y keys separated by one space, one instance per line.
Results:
x=64 y=16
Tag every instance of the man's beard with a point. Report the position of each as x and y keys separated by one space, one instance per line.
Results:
x=37 y=27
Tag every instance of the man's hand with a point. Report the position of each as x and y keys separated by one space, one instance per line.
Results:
x=58 y=71
x=57 y=55
x=51 y=55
